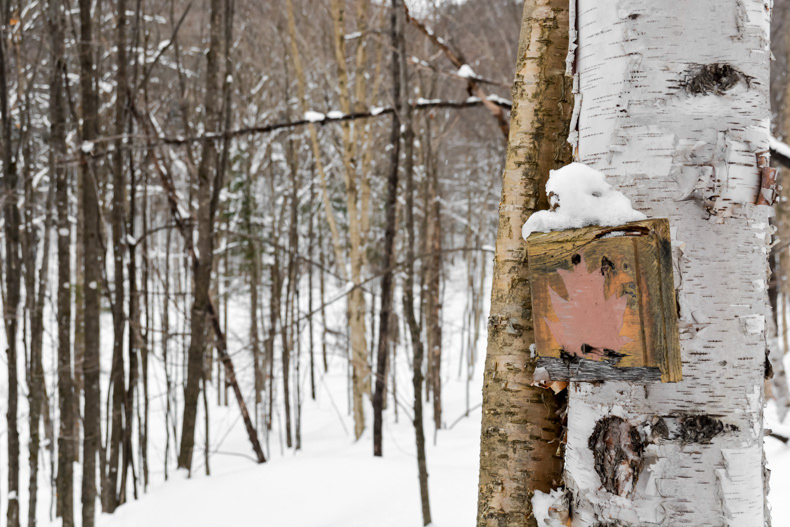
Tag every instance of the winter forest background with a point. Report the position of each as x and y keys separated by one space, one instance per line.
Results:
x=207 y=202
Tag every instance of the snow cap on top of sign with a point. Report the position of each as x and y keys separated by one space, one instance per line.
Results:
x=580 y=196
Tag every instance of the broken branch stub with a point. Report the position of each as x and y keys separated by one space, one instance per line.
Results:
x=604 y=303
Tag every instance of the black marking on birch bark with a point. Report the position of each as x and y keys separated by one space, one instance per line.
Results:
x=617 y=449
x=702 y=428
x=658 y=429
x=716 y=78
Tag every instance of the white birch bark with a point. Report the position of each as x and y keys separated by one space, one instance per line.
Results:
x=680 y=139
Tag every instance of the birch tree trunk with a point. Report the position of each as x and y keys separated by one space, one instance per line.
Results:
x=361 y=381
x=520 y=437
x=674 y=110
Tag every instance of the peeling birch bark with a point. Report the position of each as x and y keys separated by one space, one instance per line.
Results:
x=674 y=111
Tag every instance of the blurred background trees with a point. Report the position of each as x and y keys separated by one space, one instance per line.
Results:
x=169 y=165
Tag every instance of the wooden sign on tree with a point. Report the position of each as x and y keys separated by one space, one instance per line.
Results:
x=603 y=302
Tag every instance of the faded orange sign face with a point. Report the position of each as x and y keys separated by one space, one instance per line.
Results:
x=588 y=323
x=603 y=302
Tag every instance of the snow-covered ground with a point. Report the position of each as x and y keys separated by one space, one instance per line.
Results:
x=332 y=481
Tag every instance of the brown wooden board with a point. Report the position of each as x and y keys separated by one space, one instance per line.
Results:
x=603 y=303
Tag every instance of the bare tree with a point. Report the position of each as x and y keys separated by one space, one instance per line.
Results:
x=66 y=404
x=208 y=184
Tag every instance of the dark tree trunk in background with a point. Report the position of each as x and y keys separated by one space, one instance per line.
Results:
x=12 y=281
x=389 y=238
x=92 y=250
x=110 y=498
x=413 y=323
x=207 y=179
x=58 y=172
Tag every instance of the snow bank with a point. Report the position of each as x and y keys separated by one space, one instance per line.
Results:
x=580 y=196
x=548 y=509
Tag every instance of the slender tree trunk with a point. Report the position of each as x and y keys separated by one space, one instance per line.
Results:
x=79 y=315
x=389 y=238
x=137 y=346
x=66 y=405
x=694 y=114
x=433 y=301
x=137 y=341
x=310 y=247
x=165 y=328
x=110 y=496
x=415 y=331
x=361 y=381
x=297 y=372
x=92 y=266
x=35 y=281
x=37 y=397
x=288 y=326
x=12 y=283
x=147 y=339
x=202 y=271
x=257 y=356
x=356 y=300
x=514 y=411
x=322 y=296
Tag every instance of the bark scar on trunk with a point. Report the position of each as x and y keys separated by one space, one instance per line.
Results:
x=716 y=78
x=617 y=448
x=702 y=428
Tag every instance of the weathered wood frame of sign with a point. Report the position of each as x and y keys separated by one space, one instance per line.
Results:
x=603 y=303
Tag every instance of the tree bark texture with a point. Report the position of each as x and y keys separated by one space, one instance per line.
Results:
x=411 y=315
x=520 y=449
x=433 y=293
x=66 y=404
x=207 y=169
x=677 y=124
x=92 y=266
x=110 y=498
x=396 y=33
x=12 y=283
x=361 y=381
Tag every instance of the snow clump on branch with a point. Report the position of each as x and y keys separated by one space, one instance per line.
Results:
x=580 y=196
